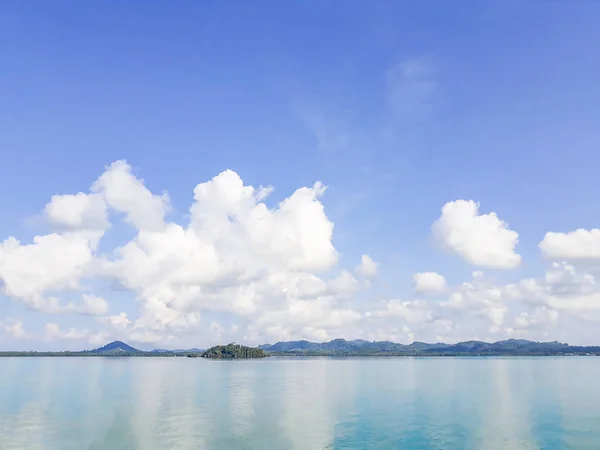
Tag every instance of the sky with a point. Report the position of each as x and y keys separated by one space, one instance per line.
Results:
x=181 y=174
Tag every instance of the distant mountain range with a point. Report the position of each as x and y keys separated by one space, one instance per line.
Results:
x=358 y=347
x=179 y=350
x=361 y=347
x=119 y=347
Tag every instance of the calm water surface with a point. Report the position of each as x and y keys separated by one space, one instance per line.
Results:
x=320 y=403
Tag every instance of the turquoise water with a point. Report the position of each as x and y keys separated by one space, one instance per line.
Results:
x=354 y=403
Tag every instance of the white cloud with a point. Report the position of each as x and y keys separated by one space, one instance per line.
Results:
x=15 y=329
x=90 y=305
x=53 y=332
x=579 y=244
x=480 y=239
x=497 y=315
x=344 y=284
x=57 y=262
x=78 y=212
x=429 y=282
x=405 y=321
x=99 y=339
x=237 y=256
x=120 y=321
x=297 y=233
x=314 y=319
x=54 y=262
x=367 y=267
x=403 y=334
x=541 y=317
x=481 y=299
x=94 y=305
x=563 y=289
x=127 y=194
x=411 y=311
x=564 y=278
x=242 y=270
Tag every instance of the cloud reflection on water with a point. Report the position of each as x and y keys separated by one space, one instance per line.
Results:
x=428 y=403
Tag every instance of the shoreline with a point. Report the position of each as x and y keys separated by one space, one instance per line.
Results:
x=291 y=355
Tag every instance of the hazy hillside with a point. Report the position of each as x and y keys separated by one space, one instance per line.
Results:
x=361 y=347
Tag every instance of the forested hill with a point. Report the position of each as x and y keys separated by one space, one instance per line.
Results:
x=114 y=347
x=511 y=347
x=233 y=351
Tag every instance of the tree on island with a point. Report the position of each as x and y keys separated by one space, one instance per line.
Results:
x=234 y=351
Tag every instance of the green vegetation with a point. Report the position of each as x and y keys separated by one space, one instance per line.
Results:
x=233 y=351
x=338 y=348
x=114 y=349
x=510 y=347
x=90 y=354
x=424 y=354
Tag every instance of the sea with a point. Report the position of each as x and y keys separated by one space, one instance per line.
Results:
x=300 y=403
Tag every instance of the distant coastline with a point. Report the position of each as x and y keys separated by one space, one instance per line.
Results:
x=336 y=348
x=510 y=347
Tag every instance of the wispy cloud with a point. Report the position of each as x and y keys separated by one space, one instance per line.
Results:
x=411 y=87
x=331 y=135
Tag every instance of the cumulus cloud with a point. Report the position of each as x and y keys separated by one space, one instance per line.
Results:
x=53 y=332
x=429 y=282
x=541 y=317
x=343 y=285
x=125 y=193
x=481 y=299
x=54 y=262
x=480 y=239
x=263 y=267
x=317 y=319
x=577 y=245
x=119 y=321
x=94 y=305
x=407 y=320
x=367 y=267
x=564 y=278
x=244 y=269
x=236 y=256
x=564 y=289
x=15 y=329
x=77 y=212
x=533 y=307
x=57 y=262
x=411 y=311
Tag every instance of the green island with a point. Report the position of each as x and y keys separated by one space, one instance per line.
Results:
x=234 y=351
x=335 y=348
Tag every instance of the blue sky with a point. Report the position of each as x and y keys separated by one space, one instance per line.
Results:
x=398 y=107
